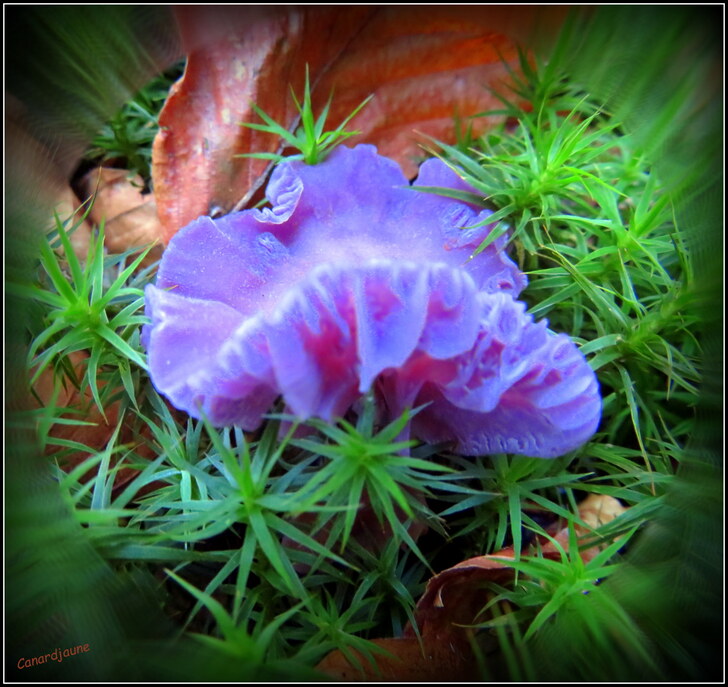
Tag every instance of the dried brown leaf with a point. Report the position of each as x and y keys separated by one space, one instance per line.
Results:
x=594 y=511
x=129 y=215
x=406 y=661
x=453 y=600
x=423 y=65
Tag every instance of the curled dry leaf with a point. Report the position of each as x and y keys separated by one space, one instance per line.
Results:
x=129 y=216
x=424 y=65
x=453 y=597
x=443 y=652
x=452 y=601
x=595 y=510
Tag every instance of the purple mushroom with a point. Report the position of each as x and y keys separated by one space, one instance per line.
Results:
x=352 y=282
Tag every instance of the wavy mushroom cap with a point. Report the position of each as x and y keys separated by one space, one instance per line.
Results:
x=353 y=281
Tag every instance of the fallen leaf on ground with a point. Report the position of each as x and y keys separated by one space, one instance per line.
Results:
x=406 y=660
x=595 y=510
x=452 y=601
x=129 y=216
x=454 y=596
x=424 y=65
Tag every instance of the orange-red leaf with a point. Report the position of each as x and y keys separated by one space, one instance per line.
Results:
x=423 y=65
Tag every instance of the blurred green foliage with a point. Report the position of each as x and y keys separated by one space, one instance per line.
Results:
x=214 y=508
